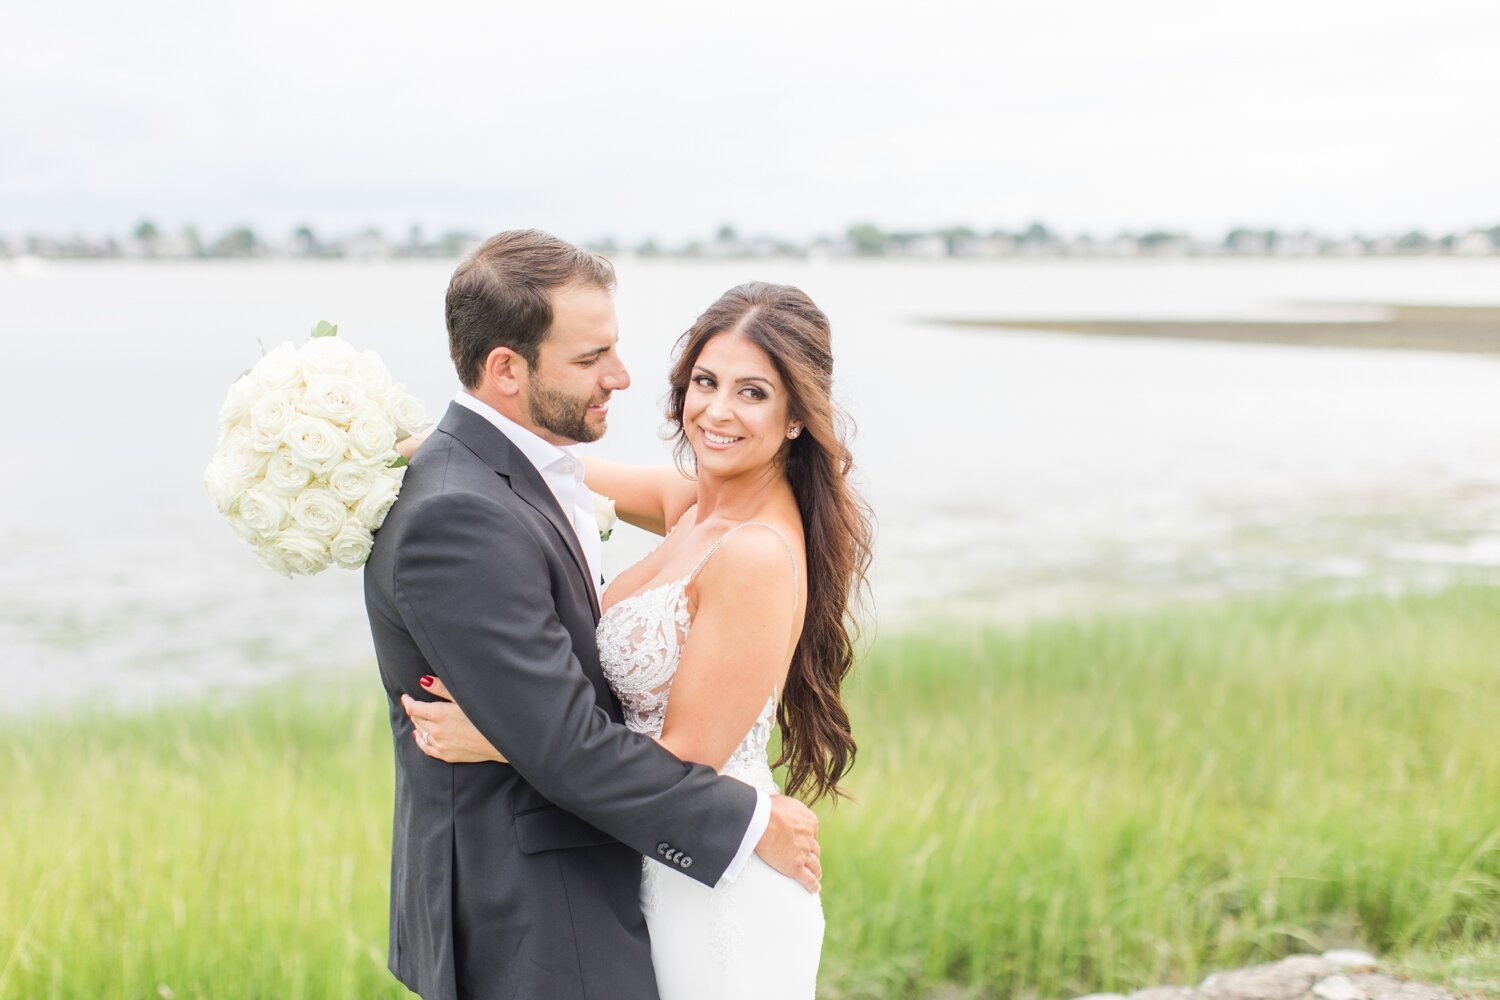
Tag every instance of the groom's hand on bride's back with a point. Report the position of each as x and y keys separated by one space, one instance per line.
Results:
x=790 y=843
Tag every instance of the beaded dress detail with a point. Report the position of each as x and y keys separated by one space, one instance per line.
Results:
x=640 y=644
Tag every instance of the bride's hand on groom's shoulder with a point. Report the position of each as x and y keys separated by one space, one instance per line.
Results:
x=442 y=730
x=790 y=843
x=407 y=447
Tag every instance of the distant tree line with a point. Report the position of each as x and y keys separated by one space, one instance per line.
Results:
x=865 y=239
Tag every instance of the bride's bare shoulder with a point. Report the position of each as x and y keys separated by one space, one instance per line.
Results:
x=758 y=556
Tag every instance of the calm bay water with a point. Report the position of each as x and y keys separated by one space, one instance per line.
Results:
x=1014 y=474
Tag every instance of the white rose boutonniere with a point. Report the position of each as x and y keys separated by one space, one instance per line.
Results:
x=306 y=467
x=604 y=513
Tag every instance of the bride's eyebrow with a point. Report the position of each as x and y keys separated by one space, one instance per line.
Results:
x=700 y=370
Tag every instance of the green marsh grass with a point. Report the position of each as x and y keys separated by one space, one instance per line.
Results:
x=1127 y=801
x=1102 y=803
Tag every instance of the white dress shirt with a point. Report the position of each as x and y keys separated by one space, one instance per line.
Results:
x=562 y=471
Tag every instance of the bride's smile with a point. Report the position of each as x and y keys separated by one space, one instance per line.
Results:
x=717 y=441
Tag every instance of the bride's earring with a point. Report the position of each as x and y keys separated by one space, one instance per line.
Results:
x=794 y=431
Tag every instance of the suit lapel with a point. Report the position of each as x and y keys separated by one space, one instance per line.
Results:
x=531 y=487
x=495 y=449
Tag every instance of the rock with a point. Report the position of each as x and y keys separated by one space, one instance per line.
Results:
x=1288 y=979
x=1339 y=987
x=1381 y=987
x=1335 y=975
x=952 y=991
x=1349 y=958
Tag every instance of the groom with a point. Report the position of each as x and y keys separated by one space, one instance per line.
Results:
x=520 y=880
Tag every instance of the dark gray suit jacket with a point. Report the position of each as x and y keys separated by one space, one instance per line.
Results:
x=520 y=880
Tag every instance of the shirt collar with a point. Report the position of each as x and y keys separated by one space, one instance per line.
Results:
x=542 y=454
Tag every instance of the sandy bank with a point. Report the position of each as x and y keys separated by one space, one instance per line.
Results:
x=1455 y=329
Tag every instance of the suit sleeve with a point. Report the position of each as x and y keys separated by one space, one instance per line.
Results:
x=472 y=583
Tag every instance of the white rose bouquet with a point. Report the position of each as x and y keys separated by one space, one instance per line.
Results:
x=307 y=466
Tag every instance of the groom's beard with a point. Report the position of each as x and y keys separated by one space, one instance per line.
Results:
x=556 y=411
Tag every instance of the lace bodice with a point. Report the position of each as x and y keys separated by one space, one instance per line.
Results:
x=641 y=639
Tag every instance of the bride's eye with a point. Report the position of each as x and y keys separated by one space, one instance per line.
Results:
x=705 y=381
x=755 y=393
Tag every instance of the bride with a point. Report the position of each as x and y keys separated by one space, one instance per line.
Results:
x=738 y=620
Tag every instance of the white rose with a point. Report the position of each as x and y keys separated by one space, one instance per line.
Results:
x=239 y=451
x=326 y=356
x=315 y=443
x=284 y=475
x=377 y=503
x=351 y=480
x=241 y=527
x=224 y=484
x=319 y=511
x=301 y=551
x=238 y=400
x=335 y=398
x=373 y=375
x=278 y=371
x=405 y=410
x=604 y=515
x=271 y=559
x=351 y=546
x=263 y=511
x=268 y=419
x=372 y=434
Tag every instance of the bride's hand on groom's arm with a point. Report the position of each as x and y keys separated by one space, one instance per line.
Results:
x=449 y=735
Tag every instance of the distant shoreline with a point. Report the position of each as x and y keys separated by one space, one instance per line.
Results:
x=1449 y=329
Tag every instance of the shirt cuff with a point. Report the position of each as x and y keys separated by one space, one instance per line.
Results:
x=759 y=820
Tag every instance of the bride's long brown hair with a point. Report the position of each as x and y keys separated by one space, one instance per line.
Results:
x=817 y=745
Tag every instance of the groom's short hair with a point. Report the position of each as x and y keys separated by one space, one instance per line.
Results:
x=499 y=295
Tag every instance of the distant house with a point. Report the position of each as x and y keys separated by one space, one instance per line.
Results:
x=1475 y=243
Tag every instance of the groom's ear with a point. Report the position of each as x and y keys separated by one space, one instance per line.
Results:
x=505 y=370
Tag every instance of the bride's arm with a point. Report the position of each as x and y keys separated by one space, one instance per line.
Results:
x=738 y=651
x=650 y=497
x=407 y=447
x=443 y=731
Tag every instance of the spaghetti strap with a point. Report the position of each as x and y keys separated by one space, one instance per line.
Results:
x=680 y=518
x=725 y=537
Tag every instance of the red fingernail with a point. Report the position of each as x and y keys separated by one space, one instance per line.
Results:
x=427 y=680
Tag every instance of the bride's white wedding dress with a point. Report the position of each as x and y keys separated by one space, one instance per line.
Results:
x=761 y=935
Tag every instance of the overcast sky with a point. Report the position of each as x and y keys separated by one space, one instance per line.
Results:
x=654 y=117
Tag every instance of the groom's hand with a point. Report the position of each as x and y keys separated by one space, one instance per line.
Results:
x=790 y=843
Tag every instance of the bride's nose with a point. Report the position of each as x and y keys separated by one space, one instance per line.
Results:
x=718 y=407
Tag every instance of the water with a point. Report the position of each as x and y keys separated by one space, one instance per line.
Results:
x=1014 y=474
